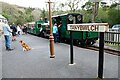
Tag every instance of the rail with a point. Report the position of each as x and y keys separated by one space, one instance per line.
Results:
x=109 y=51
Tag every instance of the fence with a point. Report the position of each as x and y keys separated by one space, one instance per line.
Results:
x=112 y=37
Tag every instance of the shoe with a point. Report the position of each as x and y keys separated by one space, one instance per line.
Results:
x=10 y=49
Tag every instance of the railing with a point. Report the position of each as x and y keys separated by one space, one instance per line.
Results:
x=112 y=37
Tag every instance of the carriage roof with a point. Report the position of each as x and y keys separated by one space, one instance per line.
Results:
x=64 y=14
x=2 y=17
x=31 y=23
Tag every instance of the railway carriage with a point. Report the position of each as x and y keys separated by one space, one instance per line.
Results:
x=79 y=38
x=38 y=28
x=42 y=28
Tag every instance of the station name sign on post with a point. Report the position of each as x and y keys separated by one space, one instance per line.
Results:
x=95 y=27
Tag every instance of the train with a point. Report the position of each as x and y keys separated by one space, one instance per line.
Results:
x=41 y=28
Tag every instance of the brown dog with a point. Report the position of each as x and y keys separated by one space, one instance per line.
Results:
x=24 y=45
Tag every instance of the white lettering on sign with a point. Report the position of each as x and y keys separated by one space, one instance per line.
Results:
x=97 y=27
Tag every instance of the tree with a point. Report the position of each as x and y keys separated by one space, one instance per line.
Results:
x=102 y=16
x=44 y=13
x=62 y=5
x=92 y=8
x=95 y=10
x=28 y=14
x=73 y=5
x=104 y=6
x=114 y=14
x=88 y=7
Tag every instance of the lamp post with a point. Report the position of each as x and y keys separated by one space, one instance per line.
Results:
x=51 y=34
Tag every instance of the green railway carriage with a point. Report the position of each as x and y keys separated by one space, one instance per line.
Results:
x=83 y=38
x=37 y=28
x=30 y=27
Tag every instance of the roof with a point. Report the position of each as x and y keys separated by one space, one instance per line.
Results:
x=31 y=23
x=60 y=15
x=65 y=14
x=2 y=17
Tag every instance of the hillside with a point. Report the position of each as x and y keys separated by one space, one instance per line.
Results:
x=18 y=14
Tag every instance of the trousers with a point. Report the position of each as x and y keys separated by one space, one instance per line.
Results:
x=7 y=41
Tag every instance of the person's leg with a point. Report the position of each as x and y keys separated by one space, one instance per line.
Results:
x=15 y=38
x=8 y=42
x=12 y=36
x=18 y=32
x=5 y=41
x=55 y=37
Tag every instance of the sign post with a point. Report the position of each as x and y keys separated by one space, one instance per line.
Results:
x=93 y=27
x=101 y=56
x=71 y=48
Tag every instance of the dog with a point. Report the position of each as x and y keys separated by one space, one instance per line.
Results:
x=24 y=45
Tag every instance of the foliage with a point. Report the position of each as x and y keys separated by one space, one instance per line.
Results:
x=44 y=13
x=86 y=16
x=16 y=14
x=88 y=7
x=102 y=16
x=113 y=5
x=113 y=16
x=72 y=4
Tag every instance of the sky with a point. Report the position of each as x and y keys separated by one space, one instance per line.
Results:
x=28 y=3
x=36 y=3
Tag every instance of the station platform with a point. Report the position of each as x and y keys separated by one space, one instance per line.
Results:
x=37 y=63
x=0 y=57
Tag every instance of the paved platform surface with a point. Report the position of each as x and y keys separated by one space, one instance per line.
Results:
x=0 y=57
x=37 y=64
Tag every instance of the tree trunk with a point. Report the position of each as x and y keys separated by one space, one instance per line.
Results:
x=95 y=11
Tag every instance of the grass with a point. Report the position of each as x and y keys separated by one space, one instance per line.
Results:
x=113 y=45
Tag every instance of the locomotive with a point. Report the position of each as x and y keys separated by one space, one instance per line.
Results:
x=42 y=28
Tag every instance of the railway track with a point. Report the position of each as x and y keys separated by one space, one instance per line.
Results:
x=96 y=48
x=110 y=51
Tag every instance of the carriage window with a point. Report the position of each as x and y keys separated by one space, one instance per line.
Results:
x=57 y=20
x=70 y=17
x=54 y=20
x=39 y=25
x=2 y=20
x=46 y=20
x=79 y=19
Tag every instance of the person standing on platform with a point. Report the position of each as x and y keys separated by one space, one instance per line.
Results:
x=14 y=30
x=18 y=29
x=6 y=32
x=59 y=32
x=55 y=30
x=25 y=29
